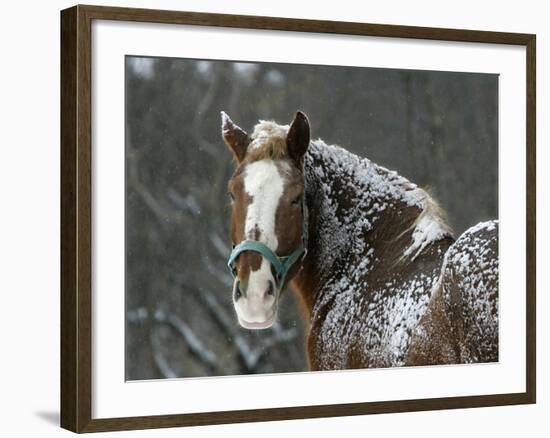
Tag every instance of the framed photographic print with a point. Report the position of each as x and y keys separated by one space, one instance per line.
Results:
x=268 y=218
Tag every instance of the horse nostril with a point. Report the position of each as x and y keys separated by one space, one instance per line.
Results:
x=238 y=292
x=270 y=289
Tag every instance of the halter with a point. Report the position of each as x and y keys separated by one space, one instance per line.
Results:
x=281 y=265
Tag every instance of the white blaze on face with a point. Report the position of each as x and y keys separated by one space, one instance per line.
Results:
x=264 y=184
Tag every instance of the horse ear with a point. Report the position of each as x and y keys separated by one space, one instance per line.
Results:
x=297 y=139
x=234 y=137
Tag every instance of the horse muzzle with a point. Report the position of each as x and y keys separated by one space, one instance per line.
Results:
x=256 y=302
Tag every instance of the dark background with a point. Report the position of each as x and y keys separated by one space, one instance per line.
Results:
x=438 y=129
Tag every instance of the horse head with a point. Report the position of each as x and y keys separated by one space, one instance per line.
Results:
x=268 y=214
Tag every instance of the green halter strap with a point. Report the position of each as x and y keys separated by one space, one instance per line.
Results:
x=281 y=265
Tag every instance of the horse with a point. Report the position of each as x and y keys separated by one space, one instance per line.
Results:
x=381 y=279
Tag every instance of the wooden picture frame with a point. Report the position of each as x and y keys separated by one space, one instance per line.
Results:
x=76 y=217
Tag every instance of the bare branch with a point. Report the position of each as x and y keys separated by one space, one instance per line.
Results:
x=194 y=344
x=202 y=109
x=250 y=356
x=159 y=358
x=162 y=212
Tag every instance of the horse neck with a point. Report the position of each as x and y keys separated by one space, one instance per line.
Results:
x=362 y=217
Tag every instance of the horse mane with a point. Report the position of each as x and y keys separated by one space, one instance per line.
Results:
x=378 y=188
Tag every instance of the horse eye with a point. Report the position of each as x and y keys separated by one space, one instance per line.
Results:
x=231 y=195
x=297 y=200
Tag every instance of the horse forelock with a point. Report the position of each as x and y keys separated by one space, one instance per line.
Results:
x=268 y=141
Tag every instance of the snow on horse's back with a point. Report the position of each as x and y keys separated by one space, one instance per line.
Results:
x=461 y=322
